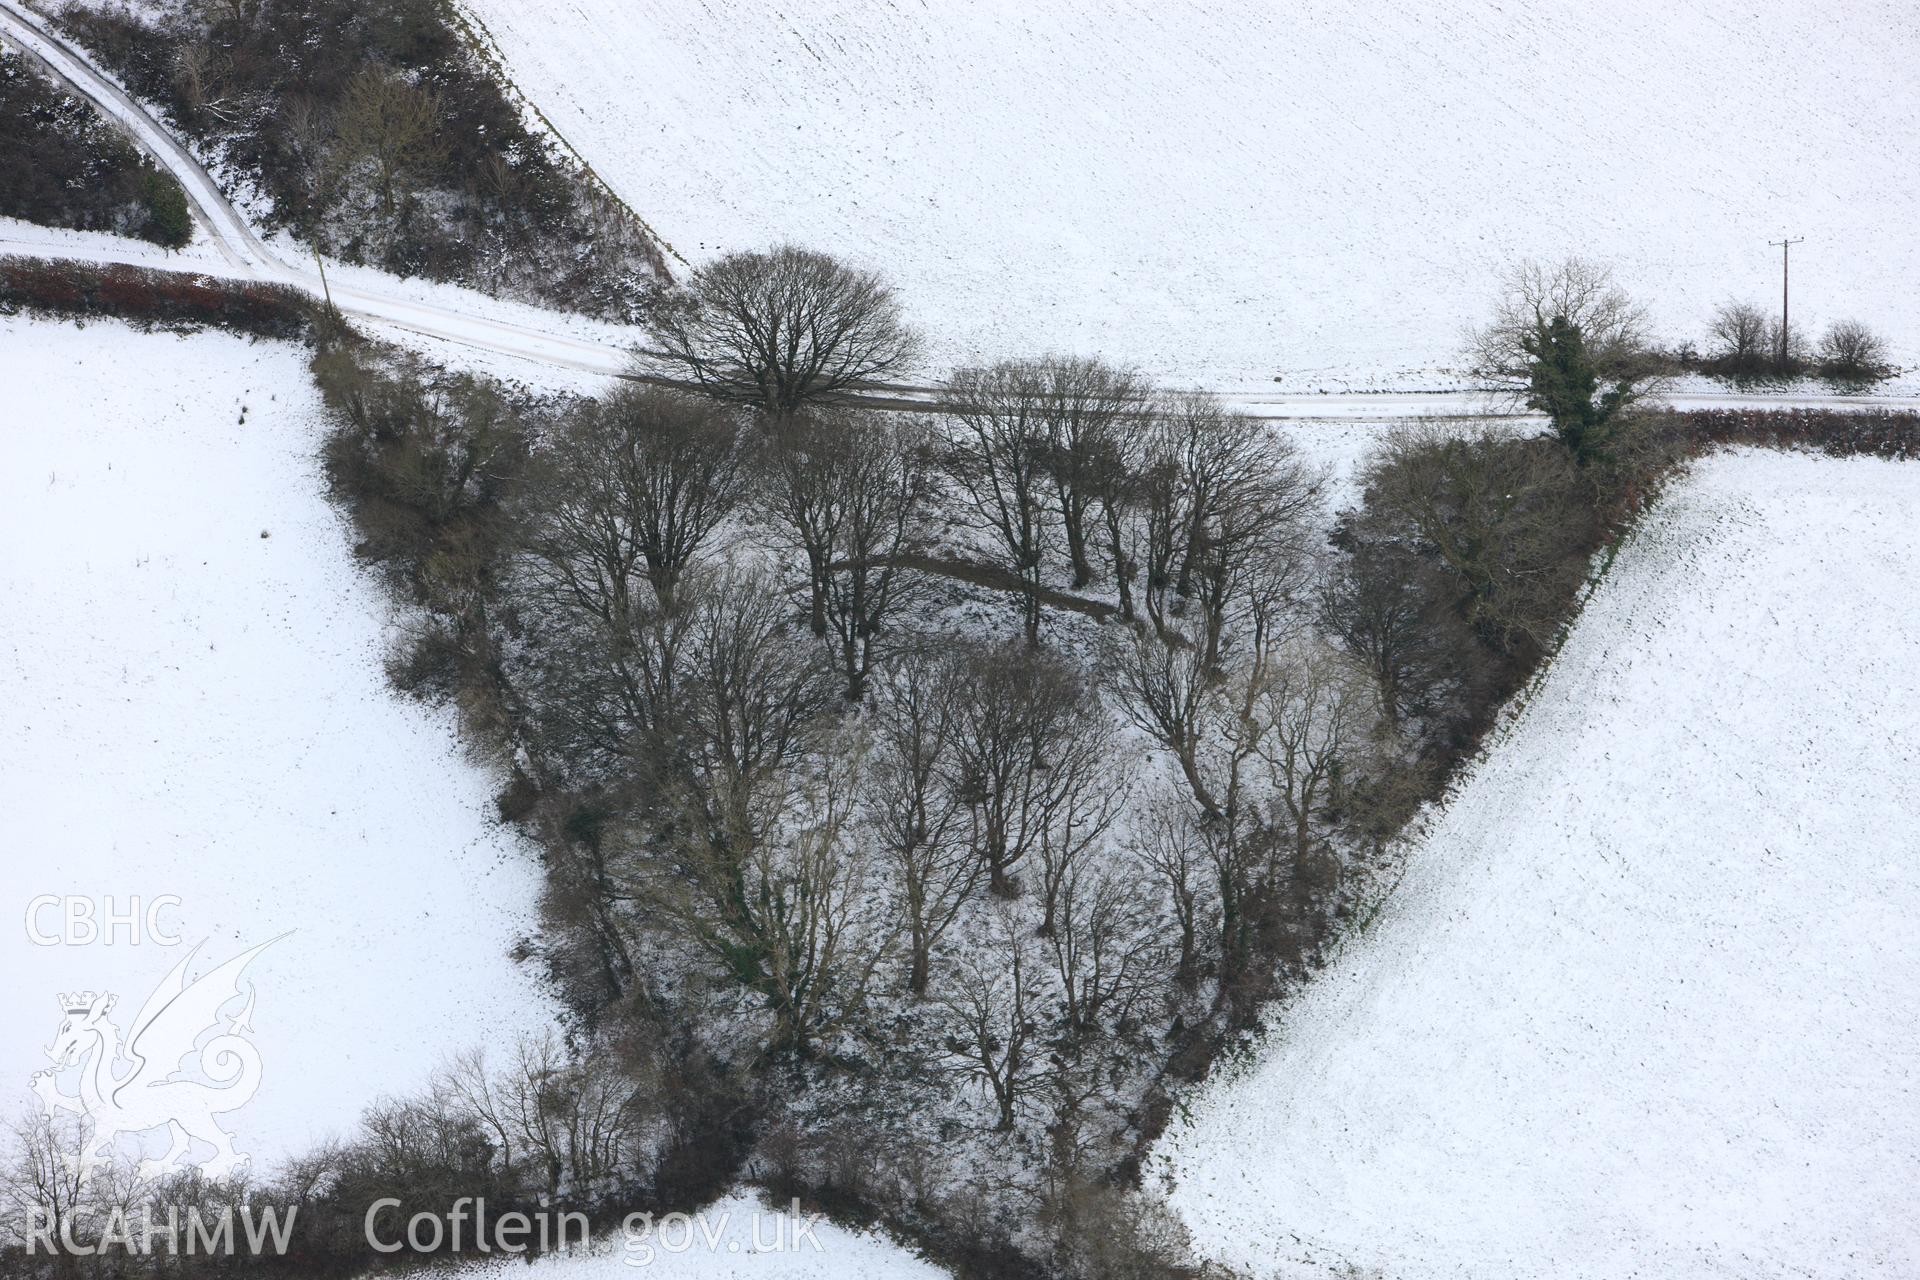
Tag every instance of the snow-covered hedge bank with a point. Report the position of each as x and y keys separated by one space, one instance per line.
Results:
x=153 y=299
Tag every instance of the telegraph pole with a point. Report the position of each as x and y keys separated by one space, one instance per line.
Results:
x=1785 y=245
x=325 y=288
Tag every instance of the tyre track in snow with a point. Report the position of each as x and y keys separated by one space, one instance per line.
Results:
x=224 y=226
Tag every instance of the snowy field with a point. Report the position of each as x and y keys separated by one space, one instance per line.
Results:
x=1644 y=1002
x=1224 y=193
x=195 y=706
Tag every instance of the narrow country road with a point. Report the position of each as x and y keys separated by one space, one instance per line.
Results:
x=247 y=256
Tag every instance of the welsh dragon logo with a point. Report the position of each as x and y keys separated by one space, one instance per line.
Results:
x=147 y=1081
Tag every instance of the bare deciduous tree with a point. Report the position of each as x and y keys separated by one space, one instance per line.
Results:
x=847 y=490
x=1789 y=350
x=802 y=498
x=810 y=909
x=1163 y=686
x=1850 y=352
x=574 y=1124
x=43 y=1184
x=1032 y=762
x=759 y=868
x=619 y=505
x=783 y=329
x=1118 y=481
x=1263 y=748
x=1740 y=335
x=992 y=999
x=1315 y=717
x=1086 y=407
x=784 y=905
x=921 y=823
x=1580 y=291
x=602 y=671
x=1169 y=846
x=392 y=125
x=1567 y=341
x=1226 y=505
x=426 y=1145
x=1000 y=458
x=752 y=694
x=634 y=486
x=1106 y=950
x=192 y=73
x=1381 y=604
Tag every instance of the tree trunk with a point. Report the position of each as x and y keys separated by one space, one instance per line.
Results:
x=1075 y=526
x=1122 y=568
x=817 y=571
x=999 y=877
x=1030 y=604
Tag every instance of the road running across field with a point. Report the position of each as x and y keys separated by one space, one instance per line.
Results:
x=544 y=337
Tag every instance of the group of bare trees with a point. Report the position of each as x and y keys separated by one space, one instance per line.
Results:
x=811 y=823
x=757 y=828
x=861 y=860
x=775 y=775
x=1171 y=501
x=1567 y=341
x=847 y=494
x=1750 y=344
x=538 y=1125
x=762 y=828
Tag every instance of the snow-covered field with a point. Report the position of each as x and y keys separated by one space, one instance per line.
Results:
x=194 y=701
x=1644 y=1002
x=1229 y=192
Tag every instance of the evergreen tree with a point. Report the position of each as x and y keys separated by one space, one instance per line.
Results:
x=168 y=221
x=1563 y=383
